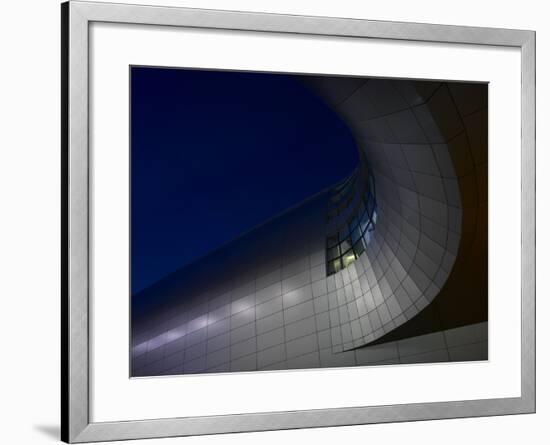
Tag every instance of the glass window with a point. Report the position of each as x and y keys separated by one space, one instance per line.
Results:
x=343 y=233
x=365 y=221
x=345 y=245
x=332 y=241
x=333 y=252
x=348 y=258
x=354 y=222
x=367 y=237
x=369 y=227
x=355 y=235
x=359 y=247
x=334 y=266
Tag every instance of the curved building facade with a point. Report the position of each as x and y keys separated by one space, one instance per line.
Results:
x=388 y=266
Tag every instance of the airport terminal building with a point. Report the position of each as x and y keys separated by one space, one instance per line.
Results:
x=388 y=266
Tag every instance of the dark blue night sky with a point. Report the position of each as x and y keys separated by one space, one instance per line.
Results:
x=216 y=153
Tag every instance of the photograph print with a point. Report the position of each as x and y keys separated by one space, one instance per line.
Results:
x=287 y=221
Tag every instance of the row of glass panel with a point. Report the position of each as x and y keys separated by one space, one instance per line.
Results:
x=345 y=245
x=341 y=202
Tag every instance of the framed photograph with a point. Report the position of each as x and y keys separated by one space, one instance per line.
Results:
x=276 y=222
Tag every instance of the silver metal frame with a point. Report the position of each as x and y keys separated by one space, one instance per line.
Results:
x=76 y=18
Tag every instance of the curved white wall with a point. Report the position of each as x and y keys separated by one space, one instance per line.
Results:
x=407 y=130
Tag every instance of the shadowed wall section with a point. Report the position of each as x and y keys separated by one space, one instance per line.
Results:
x=417 y=293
